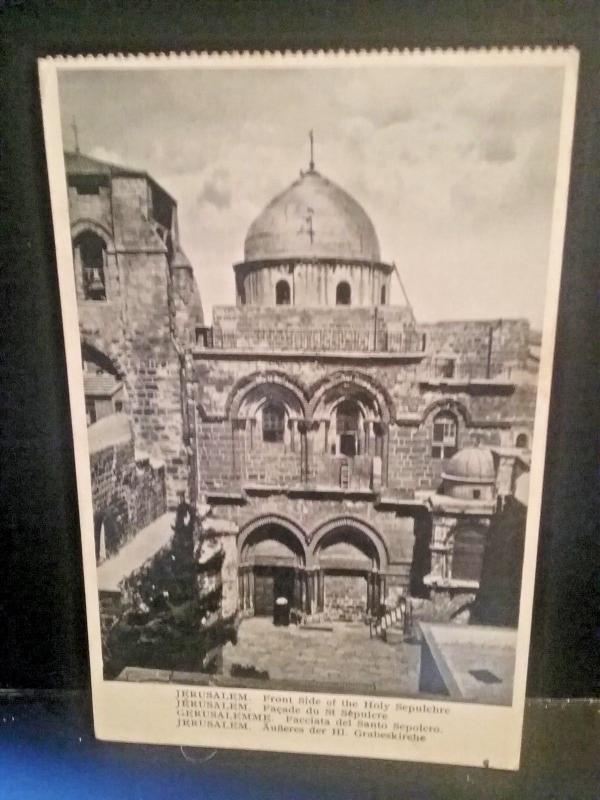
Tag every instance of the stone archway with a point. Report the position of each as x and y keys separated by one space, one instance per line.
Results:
x=271 y=563
x=348 y=578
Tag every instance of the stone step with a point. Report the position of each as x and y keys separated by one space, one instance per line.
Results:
x=394 y=635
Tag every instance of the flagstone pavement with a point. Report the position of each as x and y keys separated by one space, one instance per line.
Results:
x=341 y=659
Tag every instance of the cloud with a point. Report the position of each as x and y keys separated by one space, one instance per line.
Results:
x=216 y=190
x=455 y=166
x=111 y=156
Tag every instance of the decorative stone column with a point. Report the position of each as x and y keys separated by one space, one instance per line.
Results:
x=313 y=592
x=370 y=593
x=367 y=426
x=382 y=588
x=251 y=590
x=440 y=546
x=293 y=428
x=241 y=594
x=303 y=427
x=327 y=424
x=320 y=590
x=246 y=594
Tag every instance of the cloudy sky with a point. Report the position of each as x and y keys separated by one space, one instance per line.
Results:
x=455 y=166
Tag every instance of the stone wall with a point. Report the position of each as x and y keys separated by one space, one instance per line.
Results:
x=126 y=492
x=504 y=344
x=296 y=328
x=345 y=597
x=230 y=453
x=148 y=307
x=309 y=514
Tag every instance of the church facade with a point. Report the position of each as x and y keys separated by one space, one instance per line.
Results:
x=339 y=453
x=358 y=456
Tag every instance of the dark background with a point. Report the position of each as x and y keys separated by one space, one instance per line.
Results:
x=42 y=621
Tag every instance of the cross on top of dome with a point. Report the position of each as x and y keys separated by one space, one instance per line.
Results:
x=312 y=218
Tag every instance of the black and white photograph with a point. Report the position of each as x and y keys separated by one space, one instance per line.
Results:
x=309 y=309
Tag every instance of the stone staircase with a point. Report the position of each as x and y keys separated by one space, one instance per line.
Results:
x=394 y=625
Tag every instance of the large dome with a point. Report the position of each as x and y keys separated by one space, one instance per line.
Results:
x=313 y=218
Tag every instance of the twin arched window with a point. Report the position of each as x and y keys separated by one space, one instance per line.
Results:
x=90 y=255
x=445 y=435
x=273 y=422
x=348 y=427
x=282 y=293
x=343 y=294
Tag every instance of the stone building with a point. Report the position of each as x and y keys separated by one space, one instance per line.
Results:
x=138 y=309
x=357 y=455
x=338 y=452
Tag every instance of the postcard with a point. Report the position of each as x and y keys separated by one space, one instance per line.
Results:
x=309 y=305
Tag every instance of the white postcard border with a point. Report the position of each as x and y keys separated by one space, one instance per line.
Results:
x=473 y=734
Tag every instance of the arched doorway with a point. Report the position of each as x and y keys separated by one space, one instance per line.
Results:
x=349 y=579
x=272 y=564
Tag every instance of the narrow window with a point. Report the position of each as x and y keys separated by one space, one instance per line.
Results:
x=282 y=293
x=445 y=434
x=445 y=368
x=273 y=422
x=347 y=428
x=87 y=184
x=343 y=294
x=382 y=297
x=92 y=258
x=522 y=440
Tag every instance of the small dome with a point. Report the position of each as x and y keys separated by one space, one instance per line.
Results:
x=471 y=465
x=313 y=218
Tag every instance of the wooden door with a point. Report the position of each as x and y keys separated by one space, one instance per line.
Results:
x=264 y=592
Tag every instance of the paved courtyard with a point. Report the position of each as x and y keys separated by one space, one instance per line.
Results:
x=341 y=659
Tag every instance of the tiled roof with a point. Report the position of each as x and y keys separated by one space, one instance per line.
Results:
x=79 y=164
x=104 y=385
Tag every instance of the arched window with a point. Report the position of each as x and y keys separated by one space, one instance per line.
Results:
x=90 y=252
x=282 y=293
x=522 y=440
x=343 y=294
x=348 y=427
x=273 y=422
x=382 y=297
x=445 y=436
